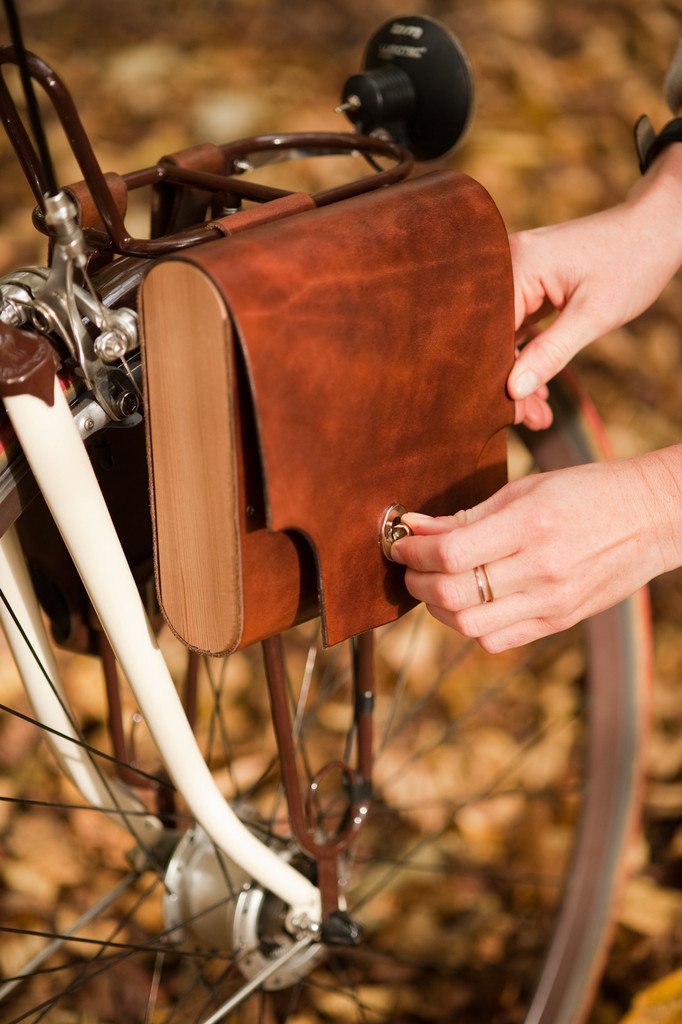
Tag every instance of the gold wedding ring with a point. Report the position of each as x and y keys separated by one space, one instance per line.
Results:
x=485 y=587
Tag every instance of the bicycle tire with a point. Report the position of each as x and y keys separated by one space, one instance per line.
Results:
x=481 y=976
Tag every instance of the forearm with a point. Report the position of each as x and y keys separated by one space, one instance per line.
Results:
x=659 y=195
x=660 y=188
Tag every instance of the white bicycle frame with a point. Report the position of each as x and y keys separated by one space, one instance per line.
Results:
x=60 y=465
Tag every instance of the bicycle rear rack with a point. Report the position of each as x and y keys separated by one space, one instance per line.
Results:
x=228 y=186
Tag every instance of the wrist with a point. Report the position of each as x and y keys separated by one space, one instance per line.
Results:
x=661 y=476
x=664 y=172
x=657 y=196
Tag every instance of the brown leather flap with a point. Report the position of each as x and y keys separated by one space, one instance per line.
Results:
x=377 y=336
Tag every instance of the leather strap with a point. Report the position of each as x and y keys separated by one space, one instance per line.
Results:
x=175 y=207
x=297 y=202
x=88 y=214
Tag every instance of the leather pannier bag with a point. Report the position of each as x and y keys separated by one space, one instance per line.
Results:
x=305 y=374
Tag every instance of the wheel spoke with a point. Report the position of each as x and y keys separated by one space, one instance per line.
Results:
x=57 y=942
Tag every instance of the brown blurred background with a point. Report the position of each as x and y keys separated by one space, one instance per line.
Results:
x=559 y=85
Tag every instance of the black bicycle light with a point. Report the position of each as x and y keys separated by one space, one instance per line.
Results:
x=416 y=85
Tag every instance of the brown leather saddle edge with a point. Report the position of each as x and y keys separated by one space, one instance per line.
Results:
x=337 y=238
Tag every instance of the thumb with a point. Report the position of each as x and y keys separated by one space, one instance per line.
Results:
x=547 y=353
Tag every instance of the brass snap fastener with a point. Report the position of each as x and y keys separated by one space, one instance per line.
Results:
x=392 y=528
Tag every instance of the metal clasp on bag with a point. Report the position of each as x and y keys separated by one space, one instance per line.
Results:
x=393 y=528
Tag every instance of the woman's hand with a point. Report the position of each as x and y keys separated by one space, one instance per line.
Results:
x=558 y=547
x=599 y=272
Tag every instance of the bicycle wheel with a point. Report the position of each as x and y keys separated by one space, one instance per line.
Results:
x=484 y=879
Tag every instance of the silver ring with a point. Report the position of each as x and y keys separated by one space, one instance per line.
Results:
x=485 y=587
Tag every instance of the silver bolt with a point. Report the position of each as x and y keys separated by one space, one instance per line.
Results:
x=62 y=217
x=110 y=346
x=41 y=320
x=301 y=924
x=127 y=404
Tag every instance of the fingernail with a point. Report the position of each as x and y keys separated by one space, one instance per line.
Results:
x=525 y=384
